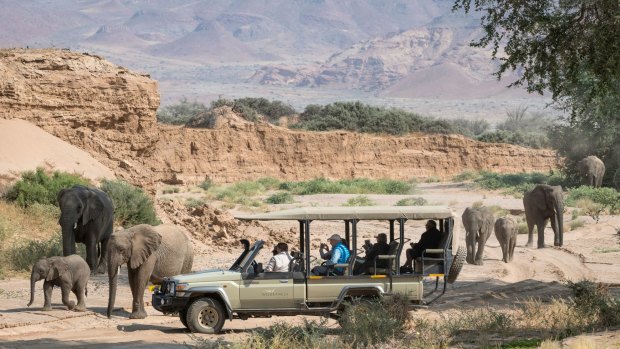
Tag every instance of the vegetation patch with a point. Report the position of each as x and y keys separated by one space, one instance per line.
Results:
x=282 y=197
x=40 y=187
x=361 y=200
x=412 y=201
x=607 y=198
x=349 y=186
x=131 y=204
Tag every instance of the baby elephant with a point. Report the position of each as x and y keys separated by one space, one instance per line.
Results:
x=70 y=273
x=506 y=234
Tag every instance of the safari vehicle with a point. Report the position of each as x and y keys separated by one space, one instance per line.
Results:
x=205 y=299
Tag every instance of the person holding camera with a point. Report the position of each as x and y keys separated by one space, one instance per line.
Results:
x=337 y=255
x=381 y=247
x=431 y=238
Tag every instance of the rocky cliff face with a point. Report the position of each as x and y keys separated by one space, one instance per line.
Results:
x=110 y=112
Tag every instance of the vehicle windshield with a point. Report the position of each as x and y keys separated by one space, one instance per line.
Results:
x=251 y=253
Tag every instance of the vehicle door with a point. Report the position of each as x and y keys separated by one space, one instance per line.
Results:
x=271 y=290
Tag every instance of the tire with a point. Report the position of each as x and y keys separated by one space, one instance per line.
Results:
x=183 y=317
x=457 y=264
x=205 y=315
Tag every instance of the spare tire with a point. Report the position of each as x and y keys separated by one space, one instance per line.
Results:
x=457 y=264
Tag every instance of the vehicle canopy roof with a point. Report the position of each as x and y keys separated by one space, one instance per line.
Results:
x=357 y=212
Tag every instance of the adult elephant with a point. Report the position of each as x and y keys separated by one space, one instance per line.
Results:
x=478 y=223
x=151 y=253
x=592 y=170
x=86 y=216
x=542 y=204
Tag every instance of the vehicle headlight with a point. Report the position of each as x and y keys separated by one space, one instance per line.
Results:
x=181 y=287
x=170 y=287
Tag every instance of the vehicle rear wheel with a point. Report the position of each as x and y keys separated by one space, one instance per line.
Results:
x=205 y=315
x=457 y=264
x=183 y=317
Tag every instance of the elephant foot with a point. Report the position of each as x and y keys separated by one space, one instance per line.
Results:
x=138 y=314
x=47 y=308
x=80 y=308
x=529 y=244
x=478 y=263
x=70 y=305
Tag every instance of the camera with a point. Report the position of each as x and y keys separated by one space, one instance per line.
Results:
x=367 y=242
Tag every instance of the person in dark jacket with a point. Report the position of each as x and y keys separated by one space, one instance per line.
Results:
x=381 y=247
x=431 y=238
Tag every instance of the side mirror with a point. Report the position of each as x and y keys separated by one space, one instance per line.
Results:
x=258 y=268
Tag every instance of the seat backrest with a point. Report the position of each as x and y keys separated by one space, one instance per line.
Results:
x=443 y=241
x=392 y=252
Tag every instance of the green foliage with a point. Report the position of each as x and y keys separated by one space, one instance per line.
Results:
x=570 y=49
x=530 y=140
x=38 y=187
x=193 y=202
x=248 y=108
x=608 y=198
x=282 y=197
x=361 y=200
x=516 y=183
x=206 y=184
x=310 y=334
x=466 y=176
x=578 y=223
x=181 y=113
x=348 y=186
x=171 y=190
x=25 y=254
x=359 y=117
x=594 y=300
x=131 y=204
x=412 y=201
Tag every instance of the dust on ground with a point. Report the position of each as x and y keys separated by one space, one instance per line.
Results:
x=591 y=251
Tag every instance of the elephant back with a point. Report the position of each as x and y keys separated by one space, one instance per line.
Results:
x=175 y=255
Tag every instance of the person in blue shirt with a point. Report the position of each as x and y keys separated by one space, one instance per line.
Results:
x=339 y=254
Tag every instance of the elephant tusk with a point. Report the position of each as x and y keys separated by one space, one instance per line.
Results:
x=75 y=225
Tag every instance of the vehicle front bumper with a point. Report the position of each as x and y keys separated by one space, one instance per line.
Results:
x=167 y=303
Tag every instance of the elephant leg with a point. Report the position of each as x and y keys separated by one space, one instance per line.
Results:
x=48 y=287
x=102 y=259
x=79 y=291
x=541 y=233
x=91 y=254
x=556 y=232
x=478 y=260
x=471 y=249
x=530 y=234
x=66 y=292
x=138 y=282
x=511 y=246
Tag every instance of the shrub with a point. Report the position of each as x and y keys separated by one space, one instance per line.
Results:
x=469 y=128
x=193 y=202
x=38 y=187
x=206 y=184
x=282 y=197
x=361 y=200
x=359 y=117
x=522 y=228
x=466 y=176
x=432 y=179
x=576 y=224
x=369 y=322
x=608 y=198
x=181 y=113
x=284 y=336
x=131 y=204
x=25 y=254
x=170 y=190
x=413 y=201
x=248 y=108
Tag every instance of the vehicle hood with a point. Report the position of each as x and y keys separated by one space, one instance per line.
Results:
x=207 y=276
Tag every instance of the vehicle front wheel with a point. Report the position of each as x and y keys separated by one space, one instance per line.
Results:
x=457 y=264
x=205 y=315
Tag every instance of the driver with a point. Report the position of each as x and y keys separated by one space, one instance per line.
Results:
x=280 y=260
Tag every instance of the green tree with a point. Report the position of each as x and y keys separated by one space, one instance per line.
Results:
x=569 y=48
x=181 y=113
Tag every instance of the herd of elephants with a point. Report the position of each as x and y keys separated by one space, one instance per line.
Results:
x=154 y=252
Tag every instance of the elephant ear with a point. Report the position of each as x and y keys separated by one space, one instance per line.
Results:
x=57 y=267
x=93 y=207
x=541 y=197
x=144 y=242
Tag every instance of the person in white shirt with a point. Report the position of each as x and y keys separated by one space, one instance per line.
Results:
x=280 y=260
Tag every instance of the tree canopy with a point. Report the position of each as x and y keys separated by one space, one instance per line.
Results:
x=570 y=48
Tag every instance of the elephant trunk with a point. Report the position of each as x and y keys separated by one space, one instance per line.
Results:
x=33 y=279
x=559 y=217
x=68 y=241
x=113 y=278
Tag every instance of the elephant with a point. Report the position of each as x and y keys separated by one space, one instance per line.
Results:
x=592 y=170
x=151 y=253
x=541 y=204
x=506 y=233
x=86 y=216
x=478 y=224
x=70 y=273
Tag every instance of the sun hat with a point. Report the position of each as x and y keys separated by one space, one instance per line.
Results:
x=335 y=237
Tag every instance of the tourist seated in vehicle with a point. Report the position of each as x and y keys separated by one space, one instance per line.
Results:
x=339 y=254
x=381 y=247
x=281 y=259
x=431 y=238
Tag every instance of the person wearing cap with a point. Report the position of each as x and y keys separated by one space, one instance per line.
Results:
x=339 y=254
x=280 y=260
x=381 y=247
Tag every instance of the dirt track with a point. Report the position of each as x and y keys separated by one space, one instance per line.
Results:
x=591 y=251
